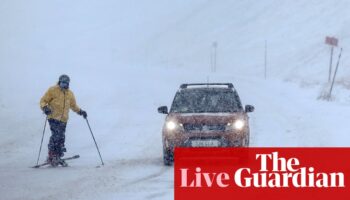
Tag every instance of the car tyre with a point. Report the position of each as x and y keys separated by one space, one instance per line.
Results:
x=168 y=157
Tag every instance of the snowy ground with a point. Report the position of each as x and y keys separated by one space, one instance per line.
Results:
x=129 y=137
x=127 y=58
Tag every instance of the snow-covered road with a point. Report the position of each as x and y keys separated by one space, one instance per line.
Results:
x=130 y=137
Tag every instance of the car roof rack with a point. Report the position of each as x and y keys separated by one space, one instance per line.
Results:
x=185 y=85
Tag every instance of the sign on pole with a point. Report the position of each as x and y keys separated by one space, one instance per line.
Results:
x=333 y=42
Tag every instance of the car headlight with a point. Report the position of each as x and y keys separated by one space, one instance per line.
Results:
x=239 y=124
x=173 y=125
x=170 y=125
x=236 y=125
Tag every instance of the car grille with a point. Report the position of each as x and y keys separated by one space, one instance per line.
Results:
x=204 y=127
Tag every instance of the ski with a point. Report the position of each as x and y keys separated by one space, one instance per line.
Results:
x=64 y=159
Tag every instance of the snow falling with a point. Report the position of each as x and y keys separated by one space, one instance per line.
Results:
x=127 y=58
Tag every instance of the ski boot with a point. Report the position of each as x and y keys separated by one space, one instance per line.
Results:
x=62 y=163
x=53 y=160
x=56 y=161
x=60 y=159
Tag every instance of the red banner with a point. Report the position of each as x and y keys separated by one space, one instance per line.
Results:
x=262 y=173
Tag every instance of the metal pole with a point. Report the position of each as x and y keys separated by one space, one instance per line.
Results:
x=335 y=73
x=330 y=65
x=214 y=56
x=211 y=59
x=265 y=68
x=41 y=144
x=98 y=150
x=215 y=46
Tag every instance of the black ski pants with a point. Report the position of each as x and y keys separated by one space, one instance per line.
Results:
x=57 y=139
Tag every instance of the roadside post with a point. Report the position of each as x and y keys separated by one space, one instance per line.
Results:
x=213 y=56
x=335 y=74
x=332 y=42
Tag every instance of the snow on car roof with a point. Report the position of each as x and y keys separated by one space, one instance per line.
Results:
x=196 y=87
x=187 y=85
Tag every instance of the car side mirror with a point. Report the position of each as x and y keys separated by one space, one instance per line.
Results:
x=249 y=108
x=163 y=110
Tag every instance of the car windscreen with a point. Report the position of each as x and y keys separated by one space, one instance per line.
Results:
x=206 y=101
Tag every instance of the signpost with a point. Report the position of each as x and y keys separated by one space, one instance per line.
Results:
x=214 y=56
x=265 y=63
x=335 y=74
x=333 y=42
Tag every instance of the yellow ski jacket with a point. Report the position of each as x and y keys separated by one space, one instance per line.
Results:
x=59 y=101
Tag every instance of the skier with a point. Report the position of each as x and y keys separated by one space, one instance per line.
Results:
x=56 y=104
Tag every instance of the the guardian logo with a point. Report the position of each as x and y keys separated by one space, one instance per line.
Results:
x=274 y=172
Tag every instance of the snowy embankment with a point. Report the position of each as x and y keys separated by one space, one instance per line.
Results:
x=121 y=76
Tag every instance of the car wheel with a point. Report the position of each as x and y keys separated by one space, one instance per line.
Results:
x=168 y=157
x=247 y=141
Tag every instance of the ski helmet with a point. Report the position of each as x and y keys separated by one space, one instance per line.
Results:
x=63 y=81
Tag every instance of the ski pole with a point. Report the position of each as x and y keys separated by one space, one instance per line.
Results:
x=41 y=144
x=87 y=121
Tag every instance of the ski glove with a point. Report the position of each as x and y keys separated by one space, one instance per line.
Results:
x=47 y=110
x=83 y=113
